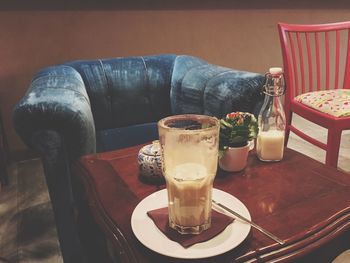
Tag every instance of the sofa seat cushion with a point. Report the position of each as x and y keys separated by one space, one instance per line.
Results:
x=112 y=139
x=333 y=102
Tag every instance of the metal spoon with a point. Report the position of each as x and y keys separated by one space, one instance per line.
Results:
x=262 y=230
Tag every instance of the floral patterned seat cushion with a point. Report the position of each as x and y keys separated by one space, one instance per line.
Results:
x=333 y=102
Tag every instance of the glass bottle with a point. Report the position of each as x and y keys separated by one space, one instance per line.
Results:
x=271 y=119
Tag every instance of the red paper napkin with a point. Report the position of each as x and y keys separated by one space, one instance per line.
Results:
x=218 y=223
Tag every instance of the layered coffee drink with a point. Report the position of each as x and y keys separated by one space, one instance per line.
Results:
x=189 y=145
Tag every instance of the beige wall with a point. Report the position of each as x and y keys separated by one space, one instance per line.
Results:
x=242 y=38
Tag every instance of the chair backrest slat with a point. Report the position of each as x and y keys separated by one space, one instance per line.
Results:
x=295 y=70
x=327 y=59
x=337 y=62
x=309 y=60
x=301 y=63
x=318 y=62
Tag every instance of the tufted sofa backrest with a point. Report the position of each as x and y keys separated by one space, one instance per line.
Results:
x=134 y=90
x=126 y=91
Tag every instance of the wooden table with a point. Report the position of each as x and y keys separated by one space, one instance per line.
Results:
x=300 y=200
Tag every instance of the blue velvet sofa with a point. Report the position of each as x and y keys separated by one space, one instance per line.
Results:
x=83 y=107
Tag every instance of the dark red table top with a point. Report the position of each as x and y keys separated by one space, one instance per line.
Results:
x=300 y=200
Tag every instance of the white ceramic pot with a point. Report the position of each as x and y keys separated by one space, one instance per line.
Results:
x=235 y=158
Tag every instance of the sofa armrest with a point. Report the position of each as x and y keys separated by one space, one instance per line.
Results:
x=202 y=88
x=57 y=100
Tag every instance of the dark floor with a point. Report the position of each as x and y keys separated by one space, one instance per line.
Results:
x=27 y=229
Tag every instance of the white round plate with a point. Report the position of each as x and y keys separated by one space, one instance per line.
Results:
x=149 y=235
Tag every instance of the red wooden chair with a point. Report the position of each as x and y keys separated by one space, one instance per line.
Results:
x=316 y=61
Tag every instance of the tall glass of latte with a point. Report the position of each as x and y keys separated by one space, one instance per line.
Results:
x=189 y=145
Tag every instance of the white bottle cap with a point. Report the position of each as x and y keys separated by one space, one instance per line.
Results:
x=274 y=71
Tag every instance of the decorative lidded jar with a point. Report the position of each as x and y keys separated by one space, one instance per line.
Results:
x=150 y=163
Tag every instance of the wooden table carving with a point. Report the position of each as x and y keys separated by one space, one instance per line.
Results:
x=300 y=200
